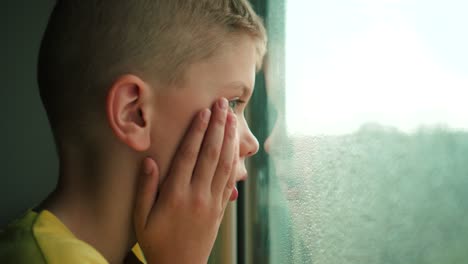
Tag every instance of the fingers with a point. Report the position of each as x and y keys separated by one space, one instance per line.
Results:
x=227 y=156
x=188 y=151
x=146 y=193
x=230 y=185
x=211 y=149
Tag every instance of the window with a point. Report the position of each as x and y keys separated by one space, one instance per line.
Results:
x=366 y=123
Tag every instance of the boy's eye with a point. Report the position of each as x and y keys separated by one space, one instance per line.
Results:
x=234 y=104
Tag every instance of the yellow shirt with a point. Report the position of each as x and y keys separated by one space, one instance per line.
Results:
x=43 y=238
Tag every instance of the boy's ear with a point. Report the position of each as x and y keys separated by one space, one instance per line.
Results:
x=128 y=111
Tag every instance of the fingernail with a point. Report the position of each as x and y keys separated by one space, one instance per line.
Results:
x=148 y=169
x=223 y=103
x=205 y=115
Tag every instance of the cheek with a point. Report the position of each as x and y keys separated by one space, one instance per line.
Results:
x=173 y=119
x=167 y=133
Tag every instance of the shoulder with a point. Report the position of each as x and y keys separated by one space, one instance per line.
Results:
x=59 y=245
x=40 y=238
x=17 y=242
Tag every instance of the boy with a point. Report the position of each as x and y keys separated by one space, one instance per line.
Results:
x=145 y=99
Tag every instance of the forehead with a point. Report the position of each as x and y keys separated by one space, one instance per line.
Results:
x=231 y=67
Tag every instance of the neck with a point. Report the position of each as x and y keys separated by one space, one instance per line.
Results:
x=94 y=199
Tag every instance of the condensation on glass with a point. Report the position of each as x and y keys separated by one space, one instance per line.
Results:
x=366 y=139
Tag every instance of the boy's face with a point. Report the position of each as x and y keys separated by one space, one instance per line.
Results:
x=230 y=73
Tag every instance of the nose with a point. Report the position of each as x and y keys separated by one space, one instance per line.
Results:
x=248 y=143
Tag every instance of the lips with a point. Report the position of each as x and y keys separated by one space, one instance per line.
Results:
x=234 y=194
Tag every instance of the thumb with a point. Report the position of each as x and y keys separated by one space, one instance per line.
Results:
x=146 y=192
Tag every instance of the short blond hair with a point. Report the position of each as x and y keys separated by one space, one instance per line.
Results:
x=89 y=43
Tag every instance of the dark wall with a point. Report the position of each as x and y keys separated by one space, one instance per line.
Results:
x=28 y=170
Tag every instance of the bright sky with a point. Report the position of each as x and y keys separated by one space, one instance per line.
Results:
x=401 y=63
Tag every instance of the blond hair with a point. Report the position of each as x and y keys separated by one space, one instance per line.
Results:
x=89 y=43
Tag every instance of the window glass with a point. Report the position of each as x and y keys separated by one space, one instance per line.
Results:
x=367 y=133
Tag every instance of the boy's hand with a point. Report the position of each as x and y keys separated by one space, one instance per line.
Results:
x=179 y=222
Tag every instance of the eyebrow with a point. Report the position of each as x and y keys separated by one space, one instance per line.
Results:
x=238 y=85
